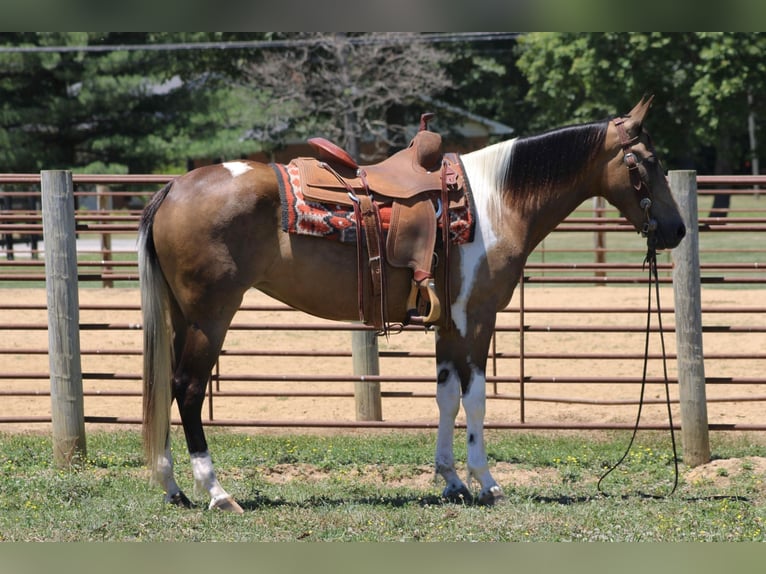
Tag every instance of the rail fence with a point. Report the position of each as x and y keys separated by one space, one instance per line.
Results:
x=567 y=353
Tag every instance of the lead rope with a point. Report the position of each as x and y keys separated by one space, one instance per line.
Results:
x=651 y=259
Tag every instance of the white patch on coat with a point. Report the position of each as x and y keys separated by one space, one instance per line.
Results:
x=237 y=168
x=486 y=170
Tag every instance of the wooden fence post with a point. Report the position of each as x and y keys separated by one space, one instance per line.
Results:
x=364 y=350
x=105 y=204
x=599 y=237
x=63 y=317
x=688 y=315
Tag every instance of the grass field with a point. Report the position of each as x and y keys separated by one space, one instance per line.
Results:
x=353 y=488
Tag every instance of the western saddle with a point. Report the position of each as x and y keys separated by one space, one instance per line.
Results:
x=418 y=184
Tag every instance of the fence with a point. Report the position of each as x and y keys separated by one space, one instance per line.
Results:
x=567 y=353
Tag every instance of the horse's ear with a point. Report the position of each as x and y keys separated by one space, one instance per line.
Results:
x=638 y=113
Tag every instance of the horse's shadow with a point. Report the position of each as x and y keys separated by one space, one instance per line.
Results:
x=561 y=499
x=260 y=501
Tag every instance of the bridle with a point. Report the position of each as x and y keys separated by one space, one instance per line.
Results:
x=642 y=190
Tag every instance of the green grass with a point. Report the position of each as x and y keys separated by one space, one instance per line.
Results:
x=363 y=489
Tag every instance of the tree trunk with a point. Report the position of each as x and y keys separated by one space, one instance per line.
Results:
x=723 y=166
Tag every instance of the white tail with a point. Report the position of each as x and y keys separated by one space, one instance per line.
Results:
x=157 y=347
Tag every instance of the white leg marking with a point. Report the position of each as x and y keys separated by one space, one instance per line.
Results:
x=236 y=168
x=475 y=410
x=448 y=400
x=164 y=475
x=204 y=477
x=474 y=403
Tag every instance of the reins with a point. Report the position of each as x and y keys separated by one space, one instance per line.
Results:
x=651 y=260
x=647 y=231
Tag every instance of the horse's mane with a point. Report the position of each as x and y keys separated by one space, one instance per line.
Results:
x=527 y=167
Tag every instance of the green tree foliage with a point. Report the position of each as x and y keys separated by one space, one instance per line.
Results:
x=706 y=85
x=119 y=110
x=487 y=82
x=148 y=110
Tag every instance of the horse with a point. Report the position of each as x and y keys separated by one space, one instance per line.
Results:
x=213 y=233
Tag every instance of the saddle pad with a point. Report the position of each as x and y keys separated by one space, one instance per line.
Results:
x=305 y=217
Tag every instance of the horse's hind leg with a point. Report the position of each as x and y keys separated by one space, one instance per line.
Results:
x=201 y=345
x=165 y=476
x=162 y=464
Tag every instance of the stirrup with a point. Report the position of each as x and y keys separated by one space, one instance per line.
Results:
x=427 y=291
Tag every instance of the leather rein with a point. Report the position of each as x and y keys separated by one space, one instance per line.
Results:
x=648 y=230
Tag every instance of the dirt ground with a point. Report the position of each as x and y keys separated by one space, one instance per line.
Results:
x=111 y=361
x=102 y=350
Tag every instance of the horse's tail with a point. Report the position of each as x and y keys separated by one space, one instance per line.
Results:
x=157 y=330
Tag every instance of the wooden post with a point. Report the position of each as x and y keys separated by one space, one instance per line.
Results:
x=105 y=204
x=63 y=318
x=688 y=312
x=599 y=237
x=522 y=330
x=364 y=350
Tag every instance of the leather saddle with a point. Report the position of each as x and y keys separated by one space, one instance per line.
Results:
x=419 y=184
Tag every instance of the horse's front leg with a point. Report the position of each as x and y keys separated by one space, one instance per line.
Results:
x=474 y=404
x=461 y=368
x=448 y=401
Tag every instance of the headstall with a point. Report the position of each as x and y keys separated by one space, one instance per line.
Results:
x=639 y=185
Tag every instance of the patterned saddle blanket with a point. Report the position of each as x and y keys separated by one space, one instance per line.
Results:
x=336 y=222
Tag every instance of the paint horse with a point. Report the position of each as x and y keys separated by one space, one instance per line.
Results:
x=215 y=232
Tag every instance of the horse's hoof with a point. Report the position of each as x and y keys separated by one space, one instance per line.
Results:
x=179 y=499
x=492 y=497
x=459 y=494
x=227 y=504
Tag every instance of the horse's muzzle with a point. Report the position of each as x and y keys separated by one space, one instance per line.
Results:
x=669 y=237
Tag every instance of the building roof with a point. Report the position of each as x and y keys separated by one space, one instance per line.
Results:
x=474 y=122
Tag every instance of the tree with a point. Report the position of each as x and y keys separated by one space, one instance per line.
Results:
x=728 y=90
x=702 y=82
x=345 y=86
x=487 y=82
x=119 y=110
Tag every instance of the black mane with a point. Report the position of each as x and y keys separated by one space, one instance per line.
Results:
x=553 y=158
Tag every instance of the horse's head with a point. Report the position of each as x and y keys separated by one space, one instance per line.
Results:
x=636 y=183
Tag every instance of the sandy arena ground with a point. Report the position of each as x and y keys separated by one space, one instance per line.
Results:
x=540 y=405
x=538 y=409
